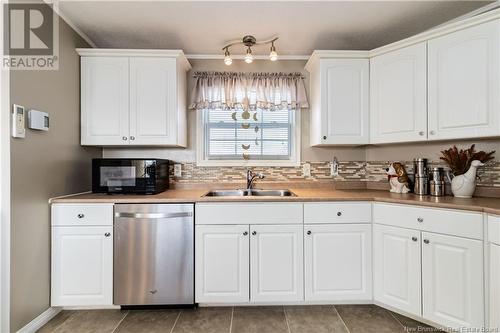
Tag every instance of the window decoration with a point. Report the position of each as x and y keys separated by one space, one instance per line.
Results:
x=248 y=115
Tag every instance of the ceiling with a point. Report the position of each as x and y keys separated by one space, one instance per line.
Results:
x=203 y=27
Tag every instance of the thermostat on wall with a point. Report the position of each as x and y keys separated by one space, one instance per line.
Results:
x=18 y=115
x=38 y=120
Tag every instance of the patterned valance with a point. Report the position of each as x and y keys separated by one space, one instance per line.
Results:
x=248 y=91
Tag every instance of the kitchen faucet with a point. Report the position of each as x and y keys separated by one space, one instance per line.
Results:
x=251 y=178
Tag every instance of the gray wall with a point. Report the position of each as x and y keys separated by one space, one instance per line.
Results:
x=44 y=165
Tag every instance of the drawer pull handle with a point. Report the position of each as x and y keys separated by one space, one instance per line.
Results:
x=420 y=220
x=414 y=239
x=254 y=233
x=245 y=233
x=80 y=216
x=339 y=213
x=107 y=234
x=308 y=232
x=124 y=138
x=426 y=241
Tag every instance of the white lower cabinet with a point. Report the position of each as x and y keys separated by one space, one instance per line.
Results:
x=276 y=260
x=452 y=280
x=338 y=262
x=494 y=297
x=82 y=266
x=222 y=263
x=396 y=273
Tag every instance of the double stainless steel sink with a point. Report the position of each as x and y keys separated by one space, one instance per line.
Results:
x=250 y=193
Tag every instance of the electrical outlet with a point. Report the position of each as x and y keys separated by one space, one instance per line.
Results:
x=306 y=170
x=334 y=168
x=177 y=170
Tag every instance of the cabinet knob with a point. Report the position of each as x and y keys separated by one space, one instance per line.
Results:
x=339 y=213
x=426 y=241
x=324 y=137
x=421 y=133
x=420 y=220
x=245 y=233
x=254 y=233
x=80 y=216
x=124 y=138
x=132 y=138
x=432 y=132
x=107 y=234
x=308 y=232
x=414 y=239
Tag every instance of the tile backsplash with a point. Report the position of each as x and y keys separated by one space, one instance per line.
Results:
x=373 y=171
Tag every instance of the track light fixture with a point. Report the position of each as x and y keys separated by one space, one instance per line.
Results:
x=250 y=41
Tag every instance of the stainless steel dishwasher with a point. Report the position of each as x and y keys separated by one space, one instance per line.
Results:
x=153 y=254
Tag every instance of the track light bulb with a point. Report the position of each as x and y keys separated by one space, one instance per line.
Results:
x=273 y=55
x=249 y=56
x=227 y=58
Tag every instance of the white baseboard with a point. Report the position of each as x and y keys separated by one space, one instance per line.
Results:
x=92 y=307
x=39 y=321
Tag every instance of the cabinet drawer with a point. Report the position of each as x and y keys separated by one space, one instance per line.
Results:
x=444 y=221
x=249 y=213
x=494 y=229
x=82 y=214
x=337 y=212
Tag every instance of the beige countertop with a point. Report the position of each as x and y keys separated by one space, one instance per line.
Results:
x=487 y=205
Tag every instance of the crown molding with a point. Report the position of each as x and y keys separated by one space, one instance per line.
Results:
x=438 y=32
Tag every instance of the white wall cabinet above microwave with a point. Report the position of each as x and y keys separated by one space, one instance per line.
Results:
x=133 y=97
x=339 y=100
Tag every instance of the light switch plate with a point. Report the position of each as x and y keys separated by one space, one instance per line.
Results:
x=306 y=170
x=177 y=170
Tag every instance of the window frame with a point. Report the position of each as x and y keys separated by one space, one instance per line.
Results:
x=292 y=161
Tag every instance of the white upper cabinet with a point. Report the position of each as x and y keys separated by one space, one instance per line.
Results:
x=464 y=90
x=276 y=259
x=398 y=95
x=339 y=101
x=152 y=95
x=104 y=100
x=452 y=280
x=397 y=265
x=133 y=97
x=338 y=262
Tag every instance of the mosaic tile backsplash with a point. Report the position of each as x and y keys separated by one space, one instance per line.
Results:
x=373 y=171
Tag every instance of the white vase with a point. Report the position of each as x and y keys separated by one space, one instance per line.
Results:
x=463 y=186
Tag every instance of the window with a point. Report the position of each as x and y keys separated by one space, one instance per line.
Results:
x=260 y=137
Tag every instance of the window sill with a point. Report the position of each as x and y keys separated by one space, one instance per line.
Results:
x=250 y=163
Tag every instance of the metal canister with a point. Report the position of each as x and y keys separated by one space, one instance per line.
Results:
x=437 y=188
x=420 y=167
x=421 y=185
x=437 y=174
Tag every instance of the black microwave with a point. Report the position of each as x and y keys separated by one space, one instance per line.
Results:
x=129 y=175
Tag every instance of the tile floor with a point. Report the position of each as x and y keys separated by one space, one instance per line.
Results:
x=278 y=319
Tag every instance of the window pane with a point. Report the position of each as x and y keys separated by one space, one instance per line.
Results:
x=261 y=134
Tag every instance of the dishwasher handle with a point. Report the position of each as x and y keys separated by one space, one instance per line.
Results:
x=153 y=215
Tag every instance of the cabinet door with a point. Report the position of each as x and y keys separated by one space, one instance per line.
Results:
x=222 y=263
x=464 y=90
x=338 y=262
x=452 y=280
x=494 y=297
x=276 y=263
x=153 y=112
x=398 y=95
x=82 y=266
x=104 y=101
x=396 y=272
x=344 y=102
